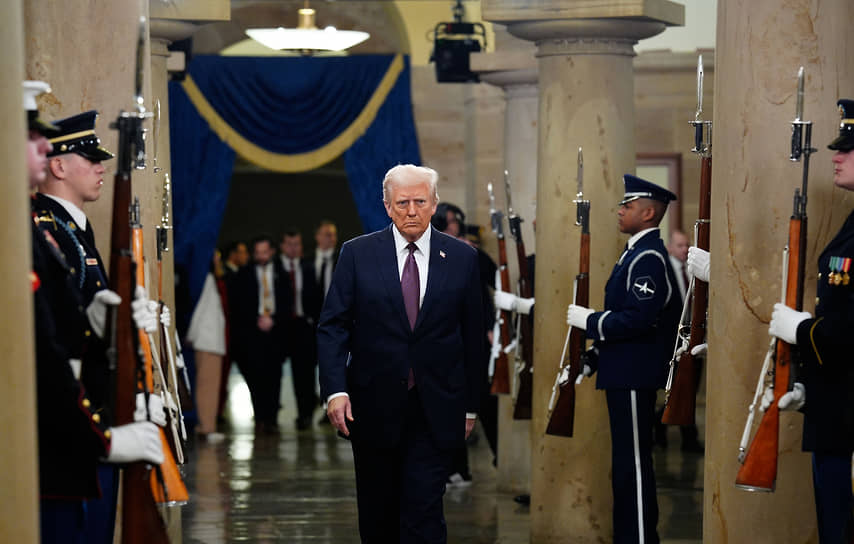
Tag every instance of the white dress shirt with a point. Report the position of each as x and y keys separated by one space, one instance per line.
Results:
x=75 y=212
x=422 y=258
x=321 y=256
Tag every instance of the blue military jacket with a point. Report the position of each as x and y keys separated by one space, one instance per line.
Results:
x=635 y=333
x=826 y=348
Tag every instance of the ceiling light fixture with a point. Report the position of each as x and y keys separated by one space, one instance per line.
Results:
x=307 y=37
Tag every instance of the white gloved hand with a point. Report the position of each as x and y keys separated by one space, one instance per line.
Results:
x=700 y=349
x=135 y=442
x=586 y=372
x=784 y=323
x=97 y=309
x=576 y=316
x=697 y=264
x=767 y=399
x=165 y=316
x=143 y=316
x=154 y=413
x=511 y=303
x=794 y=399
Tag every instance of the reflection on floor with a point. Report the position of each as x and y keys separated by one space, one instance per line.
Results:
x=299 y=487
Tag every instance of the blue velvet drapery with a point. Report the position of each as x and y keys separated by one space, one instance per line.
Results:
x=281 y=108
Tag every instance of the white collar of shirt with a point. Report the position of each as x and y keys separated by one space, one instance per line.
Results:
x=422 y=256
x=638 y=235
x=323 y=254
x=75 y=212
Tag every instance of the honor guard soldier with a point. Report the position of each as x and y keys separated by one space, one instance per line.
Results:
x=72 y=437
x=633 y=338
x=825 y=345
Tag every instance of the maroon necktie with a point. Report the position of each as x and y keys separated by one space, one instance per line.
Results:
x=410 y=285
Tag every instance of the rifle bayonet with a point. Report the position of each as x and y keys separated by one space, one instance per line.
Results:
x=495 y=214
x=582 y=206
x=702 y=129
x=155 y=133
x=513 y=220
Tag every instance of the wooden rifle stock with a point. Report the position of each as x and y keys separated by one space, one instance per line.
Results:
x=141 y=520
x=171 y=489
x=501 y=375
x=562 y=417
x=681 y=402
x=758 y=472
x=524 y=372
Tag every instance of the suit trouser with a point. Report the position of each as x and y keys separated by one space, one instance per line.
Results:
x=303 y=354
x=399 y=488
x=631 y=414
x=261 y=366
x=62 y=521
x=831 y=475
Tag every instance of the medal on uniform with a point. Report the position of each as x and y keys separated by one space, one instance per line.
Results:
x=846 y=264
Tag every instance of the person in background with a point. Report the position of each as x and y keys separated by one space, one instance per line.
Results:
x=207 y=335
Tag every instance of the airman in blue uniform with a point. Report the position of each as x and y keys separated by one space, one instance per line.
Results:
x=633 y=339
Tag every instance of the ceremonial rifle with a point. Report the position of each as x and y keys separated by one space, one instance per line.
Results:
x=680 y=397
x=498 y=365
x=758 y=470
x=169 y=489
x=562 y=415
x=524 y=366
x=141 y=520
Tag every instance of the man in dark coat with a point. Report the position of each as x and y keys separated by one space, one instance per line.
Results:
x=401 y=350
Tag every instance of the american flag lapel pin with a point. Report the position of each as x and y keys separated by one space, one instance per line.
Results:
x=441 y=254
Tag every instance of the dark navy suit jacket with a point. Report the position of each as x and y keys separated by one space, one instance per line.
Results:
x=635 y=334
x=366 y=346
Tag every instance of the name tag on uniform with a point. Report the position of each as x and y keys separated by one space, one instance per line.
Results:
x=91 y=262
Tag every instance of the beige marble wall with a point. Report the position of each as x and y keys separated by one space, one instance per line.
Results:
x=19 y=479
x=760 y=48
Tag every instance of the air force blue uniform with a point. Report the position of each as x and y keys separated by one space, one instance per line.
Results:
x=634 y=336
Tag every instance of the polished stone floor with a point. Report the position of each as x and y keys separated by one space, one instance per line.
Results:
x=299 y=487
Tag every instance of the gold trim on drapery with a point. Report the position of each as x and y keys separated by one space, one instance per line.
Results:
x=299 y=162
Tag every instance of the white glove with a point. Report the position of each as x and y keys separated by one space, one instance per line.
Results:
x=697 y=264
x=135 y=442
x=97 y=309
x=794 y=399
x=767 y=399
x=700 y=349
x=143 y=316
x=586 y=372
x=784 y=323
x=511 y=303
x=155 y=410
x=576 y=316
x=166 y=316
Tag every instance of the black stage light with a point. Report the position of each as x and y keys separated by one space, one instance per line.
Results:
x=452 y=45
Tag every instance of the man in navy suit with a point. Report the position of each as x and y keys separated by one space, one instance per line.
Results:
x=401 y=350
x=633 y=339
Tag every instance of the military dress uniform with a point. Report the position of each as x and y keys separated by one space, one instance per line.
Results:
x=826 y=345
x=76 y=241
x=72 y=434
x=633 y=338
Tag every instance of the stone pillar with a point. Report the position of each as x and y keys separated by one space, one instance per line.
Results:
x=514 y=69
x=19 y=486
x=752 y=186
x=585 y=100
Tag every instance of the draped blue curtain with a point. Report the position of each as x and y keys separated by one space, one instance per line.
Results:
x=280 y=109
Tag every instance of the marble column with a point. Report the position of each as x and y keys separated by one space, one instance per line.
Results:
x=513 y=68
x=19 y=487
x=752 y=186
x=586 y=100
